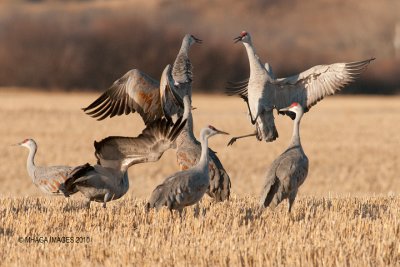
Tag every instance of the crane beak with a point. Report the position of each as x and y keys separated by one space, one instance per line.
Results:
x=237 y=39
x=17 y=144
x=197 y=40
x=221 y=132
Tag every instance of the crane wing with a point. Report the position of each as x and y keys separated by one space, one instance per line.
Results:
x=49 y=179
x=135 y=91
x=238 y=88
x=312 y=85
x=171 y=101
x=308 y=87
x=157 y=137
x=220 y=183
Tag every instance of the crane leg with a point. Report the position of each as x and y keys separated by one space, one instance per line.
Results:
x=196 y=210
x=292 y=197
x=107 y=197
x=180 y=214
x=233 y=140
x=87 y=204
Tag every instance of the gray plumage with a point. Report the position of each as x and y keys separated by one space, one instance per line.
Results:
x=137 y=92
x=47 y=179
x=186 y=187
x=188 y=147
x=288 y=172
x=188 y=154
x=182 y=70
x=108 y=179
x=262 y=92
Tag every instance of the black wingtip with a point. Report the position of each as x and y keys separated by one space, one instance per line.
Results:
x=97 y=145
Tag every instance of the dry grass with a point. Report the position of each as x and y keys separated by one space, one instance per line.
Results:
x=346 y=213
x=322 y=232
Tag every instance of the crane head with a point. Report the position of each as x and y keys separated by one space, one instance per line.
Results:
x=294 y=110
x=195 y=39
x=243 y=37
x=210 y=131
x=27 y=143
x=191 y=39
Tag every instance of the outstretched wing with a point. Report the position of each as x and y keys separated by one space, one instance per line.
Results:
x=308 y=87
x=312 y=85
x=135 y=91
x=157 y=137
x=238 y=88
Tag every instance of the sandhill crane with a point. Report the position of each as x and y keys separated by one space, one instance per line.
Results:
x=262 y=92
x=188 y=147
x=108 y=179
x=288 y=172
x=48 y=179
x=136 y=91
x=188 y=154
x=182 y=70
x=135 y=84
x=186 y=187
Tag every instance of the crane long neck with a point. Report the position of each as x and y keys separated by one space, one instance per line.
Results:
x=186 y=134
x=296 y=131
x=184 y=47
x=256 y=66
x=203 y=162
x=30 y=162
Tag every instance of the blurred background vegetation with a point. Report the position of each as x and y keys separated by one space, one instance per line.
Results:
x=86 y=45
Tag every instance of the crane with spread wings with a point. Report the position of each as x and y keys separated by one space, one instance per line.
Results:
x=262 y=92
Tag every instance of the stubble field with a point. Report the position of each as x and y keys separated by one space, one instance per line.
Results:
x=346 y=214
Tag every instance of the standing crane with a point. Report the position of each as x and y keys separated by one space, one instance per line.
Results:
x=186 y=187
x=48 y=179
x=108 y=179
x=288 y=172
x=188 y=154
x=262 y=92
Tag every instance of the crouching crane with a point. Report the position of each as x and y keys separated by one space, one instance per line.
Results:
x=108 y=179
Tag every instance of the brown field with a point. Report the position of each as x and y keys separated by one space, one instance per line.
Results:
x=346 y=214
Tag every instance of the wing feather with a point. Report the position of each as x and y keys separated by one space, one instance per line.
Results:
x=314 y=84
x=135 y=91
x=157 y=137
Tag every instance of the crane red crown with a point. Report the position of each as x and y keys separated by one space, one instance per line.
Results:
x=294 y=104
x=243 y=33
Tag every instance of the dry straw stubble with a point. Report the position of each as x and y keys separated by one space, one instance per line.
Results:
x=352 y=144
